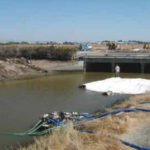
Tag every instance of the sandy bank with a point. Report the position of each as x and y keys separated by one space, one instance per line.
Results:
x=18 y=68
x=58 y=65
x=12 y=69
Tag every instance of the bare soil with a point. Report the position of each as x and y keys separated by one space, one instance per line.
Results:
x=47 y=64
x=18 y=68
x=22 y=68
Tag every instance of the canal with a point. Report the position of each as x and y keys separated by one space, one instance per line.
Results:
x=22 y=102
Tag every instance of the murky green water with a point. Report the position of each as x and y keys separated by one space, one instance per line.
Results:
x=23 y=102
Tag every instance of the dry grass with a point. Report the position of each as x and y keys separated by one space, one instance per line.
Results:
x=70 y=139
x=130 y=46
x=121 y=46
x=67 y=138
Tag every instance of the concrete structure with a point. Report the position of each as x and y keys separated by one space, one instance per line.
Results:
x=128 y=62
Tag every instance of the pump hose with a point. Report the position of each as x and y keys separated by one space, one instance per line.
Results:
x=34 y=130
x=34 y=127
x=26 y=133
x=111 y=113
x=44 y=132
x=138 y=147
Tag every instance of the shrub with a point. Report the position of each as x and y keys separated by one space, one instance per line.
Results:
x=26 y=52
x=38 y=52
x=9 y=52
x=62 y=53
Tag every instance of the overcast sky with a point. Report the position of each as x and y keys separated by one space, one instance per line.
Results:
x=74 y=20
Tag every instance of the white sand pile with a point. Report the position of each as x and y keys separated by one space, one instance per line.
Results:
x=120 y=85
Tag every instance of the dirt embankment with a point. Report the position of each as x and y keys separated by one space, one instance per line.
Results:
x=130 y=126
x=17 y=69
x=21 y=68
x=48 y=65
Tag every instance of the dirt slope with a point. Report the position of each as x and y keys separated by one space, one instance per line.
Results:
x=17 y=68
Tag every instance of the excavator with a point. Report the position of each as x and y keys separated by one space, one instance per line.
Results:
x=111 y=45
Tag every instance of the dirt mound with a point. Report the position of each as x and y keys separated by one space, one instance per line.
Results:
x=17 y=68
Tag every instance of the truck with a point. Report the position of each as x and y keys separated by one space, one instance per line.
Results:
x=85 y=47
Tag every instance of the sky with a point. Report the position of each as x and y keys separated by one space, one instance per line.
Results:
x=74 y=20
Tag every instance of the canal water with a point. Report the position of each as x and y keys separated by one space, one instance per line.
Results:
x=22 y=102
